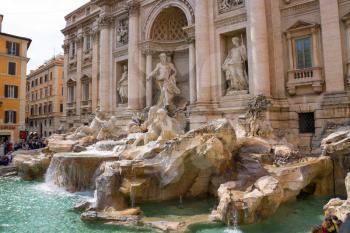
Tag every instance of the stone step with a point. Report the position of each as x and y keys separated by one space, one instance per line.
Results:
x=6 y=170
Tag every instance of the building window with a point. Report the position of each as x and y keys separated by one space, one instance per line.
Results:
x=87 y=11
x=307 y=122
x=10 y=117
x=303 y=52
x=87 y=42
x=50 y=122
x=12 y=68
x=41 y=80
x=32 y=111
x=45 y=78
x=36 y=82
x=50 y=108
x=61 y=107
x=71 y=93
x=50 y=93
x=33 y=83
x=11 y=91
x=86 y=91
x=12 y=48
x=50 y=75
x=46 y=92
x=41 y=93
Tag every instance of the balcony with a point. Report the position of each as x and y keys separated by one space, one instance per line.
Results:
x=71 y=105
x=309 y=78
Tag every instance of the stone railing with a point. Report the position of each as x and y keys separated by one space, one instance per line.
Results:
x=86 y=103
x=71 y=105
x=305 y=77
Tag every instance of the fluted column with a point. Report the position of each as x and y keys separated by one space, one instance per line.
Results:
x=134 y=53
x=203 y=52
x=65 y=76
x=79 y=49
x=332 y=51
x=259 y=51
x=105 y=51
x=149 y=83
x=192 y=69
x=94 y=73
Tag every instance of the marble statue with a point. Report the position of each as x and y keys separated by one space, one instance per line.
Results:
x=163 y=127
x=122 y=34
x=92 y=130
x=165 y=73
x=109 y=130
x=123 y=86
x=235 y=68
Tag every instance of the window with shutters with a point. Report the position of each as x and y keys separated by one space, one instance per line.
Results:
x=10 y=117
x=11 y=91
x=12 y=68
x=12 y=48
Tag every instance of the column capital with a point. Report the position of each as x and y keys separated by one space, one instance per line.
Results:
x=105 y=21
x=133 y=7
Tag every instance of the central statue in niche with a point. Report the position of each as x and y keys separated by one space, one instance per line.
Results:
x=235 y=68
x=165 y=73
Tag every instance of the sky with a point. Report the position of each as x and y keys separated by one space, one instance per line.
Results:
x=41 y=21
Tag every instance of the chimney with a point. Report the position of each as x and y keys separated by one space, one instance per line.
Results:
x=1 y=18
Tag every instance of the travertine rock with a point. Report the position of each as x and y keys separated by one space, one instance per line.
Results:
x=338 y=207
x=260 y=200
x=32 y=166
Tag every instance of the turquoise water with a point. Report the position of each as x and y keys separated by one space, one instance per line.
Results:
x=294 y=217
x=28 y=207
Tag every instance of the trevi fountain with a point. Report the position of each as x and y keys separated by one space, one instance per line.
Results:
x=157 y=175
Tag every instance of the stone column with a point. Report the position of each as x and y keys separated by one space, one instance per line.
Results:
x=134 y=53
x=259 y=51
x=104 y=62
x=149 y=83
x=203 y=53
x=94 y=73
x=79 y=50
x=192 y=69
x=332 y=51
x=347 y=23
x=65 y=76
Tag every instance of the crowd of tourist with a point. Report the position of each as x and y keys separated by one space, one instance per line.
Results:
x=332 y=224
x=7 y=148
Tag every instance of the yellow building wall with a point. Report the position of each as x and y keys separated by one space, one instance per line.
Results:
x=6 y=79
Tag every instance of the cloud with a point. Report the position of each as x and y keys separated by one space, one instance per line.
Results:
x=41 y=21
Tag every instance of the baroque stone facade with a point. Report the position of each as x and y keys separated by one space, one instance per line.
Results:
x=296 y=53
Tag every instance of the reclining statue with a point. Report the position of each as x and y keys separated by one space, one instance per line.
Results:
x=92 y=130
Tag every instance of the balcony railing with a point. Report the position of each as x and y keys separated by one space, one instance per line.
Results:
x=305 y=77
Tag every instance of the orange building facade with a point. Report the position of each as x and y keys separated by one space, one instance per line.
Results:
x=44 y=105
x=13 y=67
